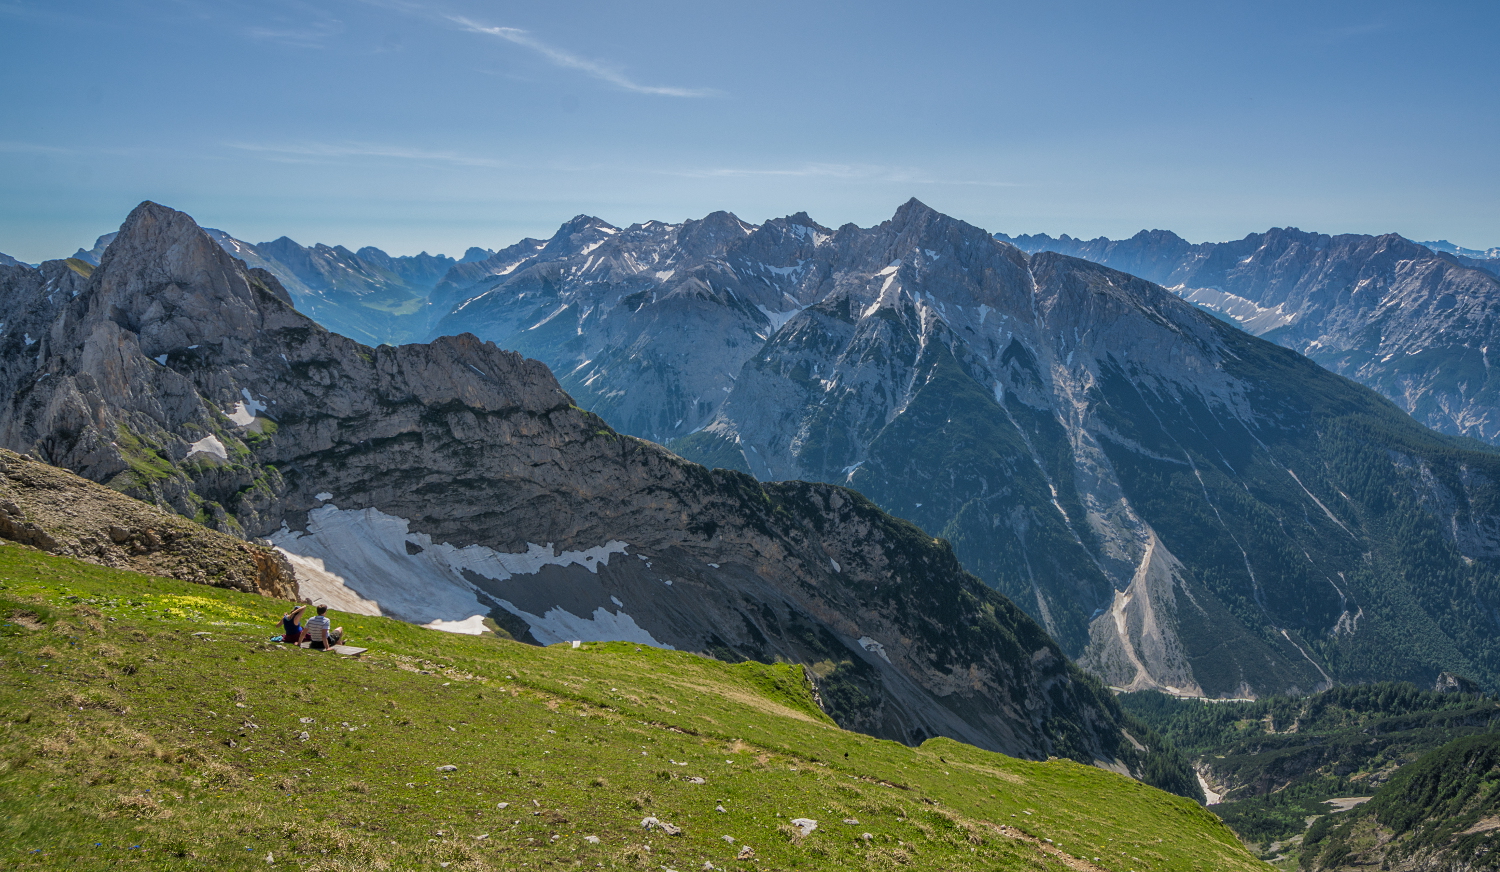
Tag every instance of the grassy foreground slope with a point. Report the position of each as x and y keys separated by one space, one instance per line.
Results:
x=125 y=739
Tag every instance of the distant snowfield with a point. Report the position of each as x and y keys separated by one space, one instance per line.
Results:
x=357 y=560
x=1252 y=317
x=209 y=445
x=244 y=412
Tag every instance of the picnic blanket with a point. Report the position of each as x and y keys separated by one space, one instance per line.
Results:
x=346 y=650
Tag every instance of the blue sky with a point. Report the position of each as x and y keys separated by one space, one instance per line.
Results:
x=416 y=125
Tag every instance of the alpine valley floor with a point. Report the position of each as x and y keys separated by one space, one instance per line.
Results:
x=127 y=740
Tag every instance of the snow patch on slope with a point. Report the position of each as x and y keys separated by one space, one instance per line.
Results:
x=209 y=445
x=244 y=412
x=1251 y=317
x=360 y=560
x=779 y=319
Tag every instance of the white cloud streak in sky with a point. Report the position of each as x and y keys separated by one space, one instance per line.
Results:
x=894 y=175
x=312 y=151
x=573 y=62
x=309 y=36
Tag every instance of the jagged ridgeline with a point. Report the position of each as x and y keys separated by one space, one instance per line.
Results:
x=1182 y=505
x=456 y=485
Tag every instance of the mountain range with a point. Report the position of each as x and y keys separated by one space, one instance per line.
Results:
x=1415 y=324
x=1381 y=310
x=1183 y=506
x=1490 y=253
x=457 y=485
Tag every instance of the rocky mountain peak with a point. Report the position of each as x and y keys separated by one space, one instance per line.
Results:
x=711 y=235
x=917 y=227
x=164 y=279
x=1159 y=237
x=914 y=210
x=580 y=232
x=802 y=219
x=795 y=230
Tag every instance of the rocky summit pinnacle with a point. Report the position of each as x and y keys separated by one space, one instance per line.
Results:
x=457 y=485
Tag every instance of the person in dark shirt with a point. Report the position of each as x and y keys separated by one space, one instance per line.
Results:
x=291 y=631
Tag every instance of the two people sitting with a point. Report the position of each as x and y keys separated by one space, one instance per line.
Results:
x=319 y=631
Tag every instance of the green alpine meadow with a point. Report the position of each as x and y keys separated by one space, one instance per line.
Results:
x=150 y=722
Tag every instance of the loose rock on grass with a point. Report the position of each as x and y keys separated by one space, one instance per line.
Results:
x=651 y=823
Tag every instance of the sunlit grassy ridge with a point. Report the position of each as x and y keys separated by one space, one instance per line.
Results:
x=124 y=739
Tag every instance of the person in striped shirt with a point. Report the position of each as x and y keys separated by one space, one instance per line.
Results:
x=321 y=632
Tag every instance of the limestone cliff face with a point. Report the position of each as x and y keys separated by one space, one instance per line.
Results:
x=456 y=484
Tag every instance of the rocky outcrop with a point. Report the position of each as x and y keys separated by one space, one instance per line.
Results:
x=1412 y=323
x=457 y=485
x=58 y=512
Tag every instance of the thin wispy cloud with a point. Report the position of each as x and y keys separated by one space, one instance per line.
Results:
x=34 y=148
x=324 y=151
x=571 y=61
x=14 y=147
x=304 y=36
x=849 y=172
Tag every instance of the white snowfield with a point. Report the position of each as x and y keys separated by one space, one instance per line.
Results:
x=209 y=445
x=779 y=319
x=356 y=560
x=873 y=647
x=244 y=412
